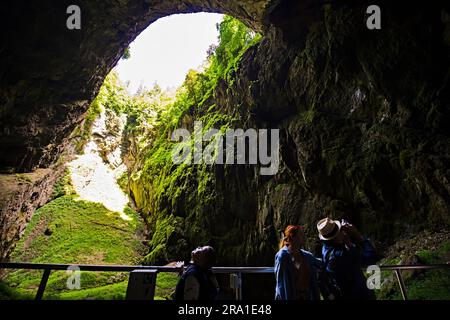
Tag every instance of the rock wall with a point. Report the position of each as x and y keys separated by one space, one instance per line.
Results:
x=21 y=195
x=50 y=74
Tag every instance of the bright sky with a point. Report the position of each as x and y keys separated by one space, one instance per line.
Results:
x=168 y=48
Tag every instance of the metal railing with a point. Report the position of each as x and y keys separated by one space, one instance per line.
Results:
x=235 y=272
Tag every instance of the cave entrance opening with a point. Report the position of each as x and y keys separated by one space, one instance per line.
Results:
x=122 y=149
x=145 y=81
x=172 y=67
x=164 y=53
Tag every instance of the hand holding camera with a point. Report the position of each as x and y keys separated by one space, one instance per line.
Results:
x=350 y=232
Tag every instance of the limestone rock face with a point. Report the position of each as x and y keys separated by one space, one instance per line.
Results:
x=21 y=195
x=107 y=131
x=49 y=74
x=363 y=130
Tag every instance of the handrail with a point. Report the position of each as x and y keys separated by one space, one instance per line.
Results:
x=238 y=271
x=415 y=267
x=124 y=268
x=128 y=268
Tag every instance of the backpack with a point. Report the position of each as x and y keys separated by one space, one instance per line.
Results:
x=206 y=288
x=179 y=290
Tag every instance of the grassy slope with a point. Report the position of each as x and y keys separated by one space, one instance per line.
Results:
x=71 y=231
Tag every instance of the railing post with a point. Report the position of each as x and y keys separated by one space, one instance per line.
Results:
x=43 y=284
x=141 y=285
x=401 y=283
x=239 y=289
x=236 y=284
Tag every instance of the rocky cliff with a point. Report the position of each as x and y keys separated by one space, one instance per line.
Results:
x=50 y=74
x=21 y=195
x=363 y=116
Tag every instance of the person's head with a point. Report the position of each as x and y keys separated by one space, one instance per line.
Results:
x=293 y=236
x=204 y=257
x=330 y=230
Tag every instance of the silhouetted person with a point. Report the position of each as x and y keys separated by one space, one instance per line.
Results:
x=345 y=252
x=198 y=282
x=296 y=270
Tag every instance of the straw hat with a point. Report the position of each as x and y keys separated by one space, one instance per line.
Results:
x=328 y=229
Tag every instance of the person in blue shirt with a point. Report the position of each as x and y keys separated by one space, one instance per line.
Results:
x=345 y=252
x=296 y=270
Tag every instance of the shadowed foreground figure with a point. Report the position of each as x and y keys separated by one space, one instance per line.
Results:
x=198 y=282
x=345 y=252
x=296 y=270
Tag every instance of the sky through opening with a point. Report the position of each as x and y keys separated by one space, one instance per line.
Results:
x=168 y=49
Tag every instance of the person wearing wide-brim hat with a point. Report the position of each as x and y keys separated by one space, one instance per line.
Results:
x=328 y=229
x=345 y=252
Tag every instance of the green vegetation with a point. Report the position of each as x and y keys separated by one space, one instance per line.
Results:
x=122 y=182
x=111 y=96
x=437 y=256
x=63 y=186
x=68 y=230
x=71 y=231
x=158 y=185
x=126 y=54
x=165 y=286
x=80 y=136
